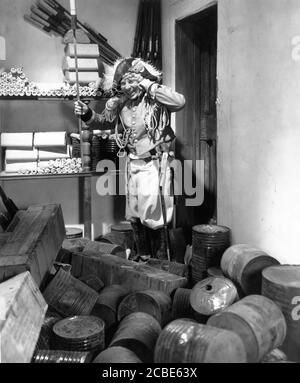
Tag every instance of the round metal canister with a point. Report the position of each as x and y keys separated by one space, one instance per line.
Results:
x=107 y=304
x=282 y=284
x=58 y=356
x=212 y=295
x=80 y=333
x=183 y=341
x=153 y=302
x=73 y=232
x=258 y=321
x=117 y=355
x=208 y=245
x=244 y=264
x=138 y=332
x=182 y=309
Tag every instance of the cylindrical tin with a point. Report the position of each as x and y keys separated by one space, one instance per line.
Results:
x=138 y=332
x=183 y=341
x=153 y=302
x=117 y=355
x=212 y=295
x=282 y=284
x=258 y=321
x=244 y=264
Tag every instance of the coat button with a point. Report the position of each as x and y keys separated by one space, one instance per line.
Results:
x=135 y=141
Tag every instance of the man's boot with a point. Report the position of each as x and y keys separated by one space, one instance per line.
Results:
x=159 y=244
x=142 y=241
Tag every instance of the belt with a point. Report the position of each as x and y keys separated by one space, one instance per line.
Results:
x=147 y=159
x=153 y=156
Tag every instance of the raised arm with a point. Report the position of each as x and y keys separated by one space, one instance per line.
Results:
x=174 y=101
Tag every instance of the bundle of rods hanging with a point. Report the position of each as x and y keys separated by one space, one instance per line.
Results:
x=147 y=41
x=53 y=18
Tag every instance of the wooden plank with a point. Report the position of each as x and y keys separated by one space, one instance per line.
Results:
x=114 y=270
x=22 y=312
x=34 y=243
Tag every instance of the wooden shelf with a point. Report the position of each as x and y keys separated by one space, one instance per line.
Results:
x=40 y=98
x=12 y=177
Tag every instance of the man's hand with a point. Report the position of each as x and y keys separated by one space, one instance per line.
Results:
x=80 y=108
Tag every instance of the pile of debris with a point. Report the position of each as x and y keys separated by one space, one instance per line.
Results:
x=82 y=301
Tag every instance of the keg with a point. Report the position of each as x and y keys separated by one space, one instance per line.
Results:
x=117 y=355
x=181 y=307
x=80 y=333
x=258 y=321
x=212 y=295
x=153 y=302
x=208 y=245
x=282 y=285
x=138 y=332
x=244 y=264
x=184 y=341
x=58 y=356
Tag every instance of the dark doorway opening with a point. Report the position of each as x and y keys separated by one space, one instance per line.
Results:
x=196 y=124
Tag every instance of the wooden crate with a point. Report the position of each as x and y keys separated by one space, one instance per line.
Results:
x=33 y=243
x=115 y=270
x=22 y=312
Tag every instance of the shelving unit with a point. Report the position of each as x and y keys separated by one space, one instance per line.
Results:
x=37 y=114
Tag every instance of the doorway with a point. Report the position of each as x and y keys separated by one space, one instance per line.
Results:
x=196 y=124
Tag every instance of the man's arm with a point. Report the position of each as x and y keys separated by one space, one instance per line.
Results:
x=174 y=101
x=86 y=114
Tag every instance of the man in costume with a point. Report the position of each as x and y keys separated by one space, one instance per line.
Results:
x=141 y=106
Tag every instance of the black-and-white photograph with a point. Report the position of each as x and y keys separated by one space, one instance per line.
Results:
x=149 y=164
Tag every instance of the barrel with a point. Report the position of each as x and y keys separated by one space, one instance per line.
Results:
x=244 y=264
x=79 y=333
x=123 y=233
x=181 y=307
x=107 y=304
x=69 y=296
x=46 y=333
x=58 y=356
x=153 y=302
x=117 y=355
x=138 y=332
x=258 y=321
x=208 y=245
x=282 y=285
x=212 y=295
x=275 y=356
x=73 y=233
x=183 y=341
